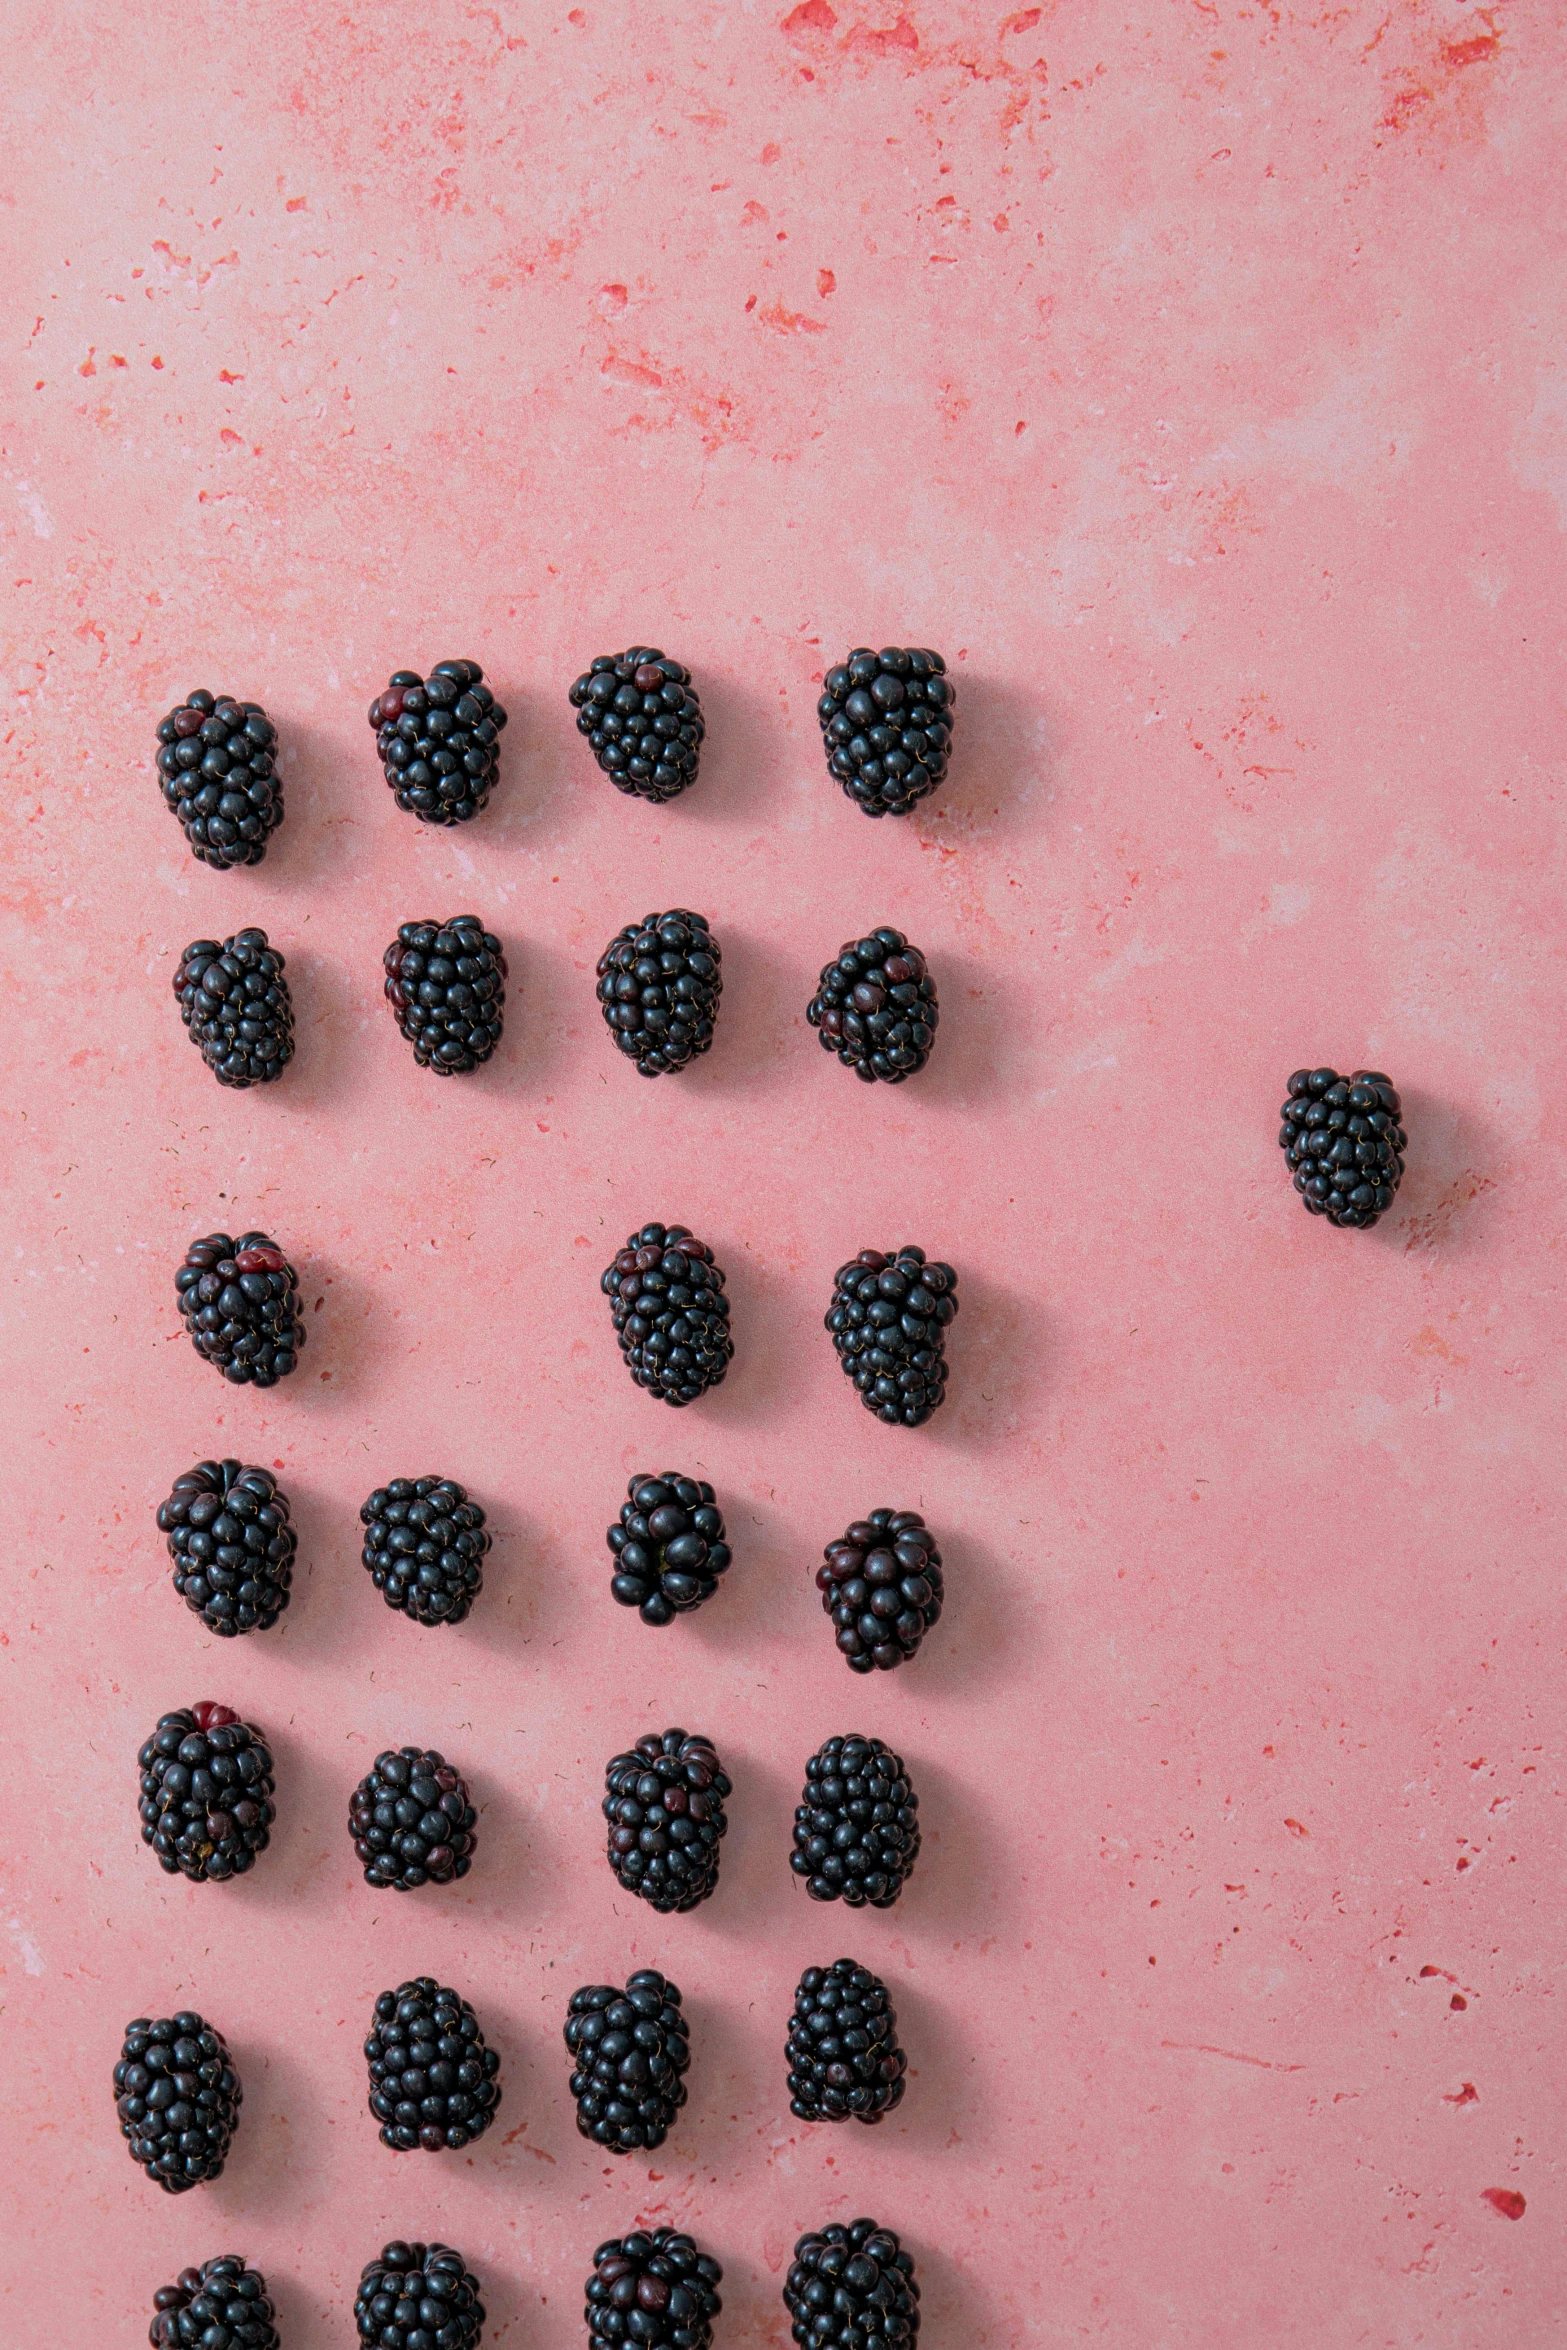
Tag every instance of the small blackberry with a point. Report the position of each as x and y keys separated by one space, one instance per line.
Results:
x=239 y=1300
x=446 y=981
x=852 y=2289
x=640 y=713
x=856 y=1827
x=216 y=764
x=206 y=1794
x=419 y=2297
x=888 y=1319
x=178 y=2099
x=659 y=985
x=233 y=1548
x=432 y=2079
x=664 y=1802
x=222 y=2305
x=669 y=1546
x=886 y=721
x=411 y=1821
x=653 y=2290
x=629 y=2049
x=1345 y=1144
x=438 y=739
x=234 y=1000
x=424 y=1547
x=881 y=1584
x=843 y=2053
x=671 y=1316
x=876 y=1008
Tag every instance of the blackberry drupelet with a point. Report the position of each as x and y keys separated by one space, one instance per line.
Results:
x=669 y=1546
x=446 y=981
x=640 y=713
x=234 y=1000
x=227 y=1527
x=206 y=1794
x=664 y=1802
x=659 y=983
x=239 y=1300
x=671 y=1316
x=178 y=2099
x=222 y=2305
x=886 y=721
x=875 y=1007
x=438 y=739
x=856 y=1827
x=216 y=764
x=630 y=2049
x=411 y=1821
x=852 y=2289
x=843 y=2054
x=888 y=1319
x=419 y=2297
x=1345 y=1144
x=881 y=1584
x=654 y=2291
x=424 y=1547
x=432 y=2079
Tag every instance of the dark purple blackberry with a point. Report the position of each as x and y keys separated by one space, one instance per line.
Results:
x=669 y=1546
x=886 y=721
x=640 y=713
x=411 y=1821
x=630 y=2049
x=432 y=2079
x=1345 y=1144
x=671 y=1316
x=178 y=2099
x=216 y=764
x=419 y=2297
x=239 y=1300
x=852 y=2289
x=664 y=1802
x=424 y=1547
x=888 y=1319
x=206 y=1794
x=876 y=1008
x=232 y=1545
x=222 y=2305
x=446 y=981
x=652 y=2290
x=659 y=985
x=843 y=2053
x=856 y=1827
x=234 y=1000
x=881 y=1584
x=438 y=739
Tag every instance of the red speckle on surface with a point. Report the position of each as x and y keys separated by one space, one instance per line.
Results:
x=826 y=283
x=1506 y=2200
x=1296 y=1829
x=1472 y=51
x=1023 y=22
x=1467 y=2095
x=812 y=16
x=1458 y=2001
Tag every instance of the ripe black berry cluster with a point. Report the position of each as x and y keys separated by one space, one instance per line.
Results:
x=412 y=1821
x=886 y=721
x=671 y=1316
x=875 y=1007
x=630 y=2050
x=659 y=983
x=446 y=981
x=239 y=1300
x=432 y=2079
x=652 y=2289
x=222 y=2305
x=419 y=2297
x=228 y=1531
x=438 y=739
x=234 y=1000
x=852 y=2288
x=640 y=713
x=856 y=1827
x=664 y=1802
x=1344 y=1144
x=668 y=1547
x=843 y=2054
x=178 y=2099
x=881 y=1584
x=206 y=1794
x=216 y=765
x=424 y=1548
x=889 y=1318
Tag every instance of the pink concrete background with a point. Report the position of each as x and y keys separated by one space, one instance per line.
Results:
x=1191 y=377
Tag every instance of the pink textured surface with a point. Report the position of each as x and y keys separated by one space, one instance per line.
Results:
x=1192 y=379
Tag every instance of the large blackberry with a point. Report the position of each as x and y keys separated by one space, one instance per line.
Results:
x=215 y=762
x=432 y=2079
x=411 y=1821
x=438 y=739
x=229 y=1536
x=222 y=2305
x=886 y=720
x=630 y=2049
x=206 y=1794
x=640 y=713
x=843 y=2053
x=659 y=985
x=881 y=1584
x=875 y=1007
x=653 y=2290
x=669 y=1546
x=852 y=2289
x=419 y=2297
x=178 y=2099
x=888 y=1319
x=234 y=1000
x=424 y=1546
x=856 y=1827
x=671 y=1316
x=664 y=1802
x=446 y=981
x=1345 y=1144
x=240 y=1303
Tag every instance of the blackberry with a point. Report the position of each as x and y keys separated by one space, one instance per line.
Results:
x=419 y=2297
x=234 y=1000
x=856 y=1827
x=664 y=1802
x=222 y=2305
x=1345 y=1144
x=886 y=721
x=640 y=713
x=671 y=1315
x=881 y=1584
x=178 y=2099
x=424 y=1546
x=843 y=2053
x=206 y=1794
x=239 y=1300
x=659 y=985
x=875 y=1007
x=888 y=1319
x=411 y=1821
x=446 y=981
x=438 y=739
x=629 y=2049
x=653 y=2290
x=216 y=764
x=669 y=1546
x=233 y=1548
x=432 y=2079
x=852 y=2289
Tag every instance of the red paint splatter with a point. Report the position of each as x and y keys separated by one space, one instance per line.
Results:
x=1470 y=52
x=232 y=438
x=1296 y=1829
x=810 y=16
x=1459 y=2002
x=1023 y=22
x=826 y=283
x=1506 y=2200
x=900 y=36
x=789 y=322
x=1427 y=1972
x=1467 y=2095
x=296 y=204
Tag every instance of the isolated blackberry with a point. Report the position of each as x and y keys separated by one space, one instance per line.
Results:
x=424 y=1546
x=178 y=2099
x=671 y=1316
x=229 y=1536
x=206 y=1794
x=446 y=981
x=664 y=1802
x=1345 y=1144
x=881 y=1584
x=659 y=985
x=419 y=2297
x=843 y=2053
x=875 y=1007
x=852 y=2289
x=856 y=1827
x=234 y=1000
x=629 y=2049
x=216 y=764
x=432 y=2079
x=886 y=721
x=888 y=1319
x=640 y=713
x=652 y=2290
x=239 y=1300
x=438 y=739
x=411 y=1821
x=669 y=1546
x=222 y=2305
